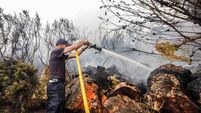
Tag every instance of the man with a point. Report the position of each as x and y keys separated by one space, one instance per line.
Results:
x=56 y=88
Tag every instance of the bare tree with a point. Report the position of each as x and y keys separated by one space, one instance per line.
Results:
x=20 y=36
x=61 y=28
x=177 y=22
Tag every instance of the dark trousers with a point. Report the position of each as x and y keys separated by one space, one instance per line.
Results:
x=56 y=97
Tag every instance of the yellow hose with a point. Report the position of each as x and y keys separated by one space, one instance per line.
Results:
x=84 y=96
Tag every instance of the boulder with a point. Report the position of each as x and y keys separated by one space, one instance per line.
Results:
x=166 y=90
x=194 y=88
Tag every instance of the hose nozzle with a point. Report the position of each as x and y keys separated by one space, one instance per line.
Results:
x=95 y=47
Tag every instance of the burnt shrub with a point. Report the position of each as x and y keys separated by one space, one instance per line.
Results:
x=17 y=83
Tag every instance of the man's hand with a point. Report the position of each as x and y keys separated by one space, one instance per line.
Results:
x=83 y=46
x=86 y=42
x=77 y=45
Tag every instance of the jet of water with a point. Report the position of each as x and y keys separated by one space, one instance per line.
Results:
x=127 y=59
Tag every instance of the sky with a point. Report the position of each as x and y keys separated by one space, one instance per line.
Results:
x=83 y=13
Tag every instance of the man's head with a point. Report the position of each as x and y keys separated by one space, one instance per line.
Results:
x=62 y=43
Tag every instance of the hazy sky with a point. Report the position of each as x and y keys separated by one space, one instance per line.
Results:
x=83 y=13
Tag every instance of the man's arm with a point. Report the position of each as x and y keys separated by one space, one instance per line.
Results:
x=75 y=46
x=80 y=51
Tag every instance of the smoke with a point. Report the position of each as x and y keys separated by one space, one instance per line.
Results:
x=130 y=70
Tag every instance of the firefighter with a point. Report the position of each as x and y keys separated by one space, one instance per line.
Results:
x=56 y=87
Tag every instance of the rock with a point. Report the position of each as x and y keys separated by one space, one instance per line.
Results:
x=194 y=88
x=182 y=74
x=195 y=76
x=125 y=98
x=166 y=90
x=127 y=89
x=142 y=87
x=124 y=104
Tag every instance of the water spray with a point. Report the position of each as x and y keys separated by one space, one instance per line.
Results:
x=128 y=59
x=120 y=56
